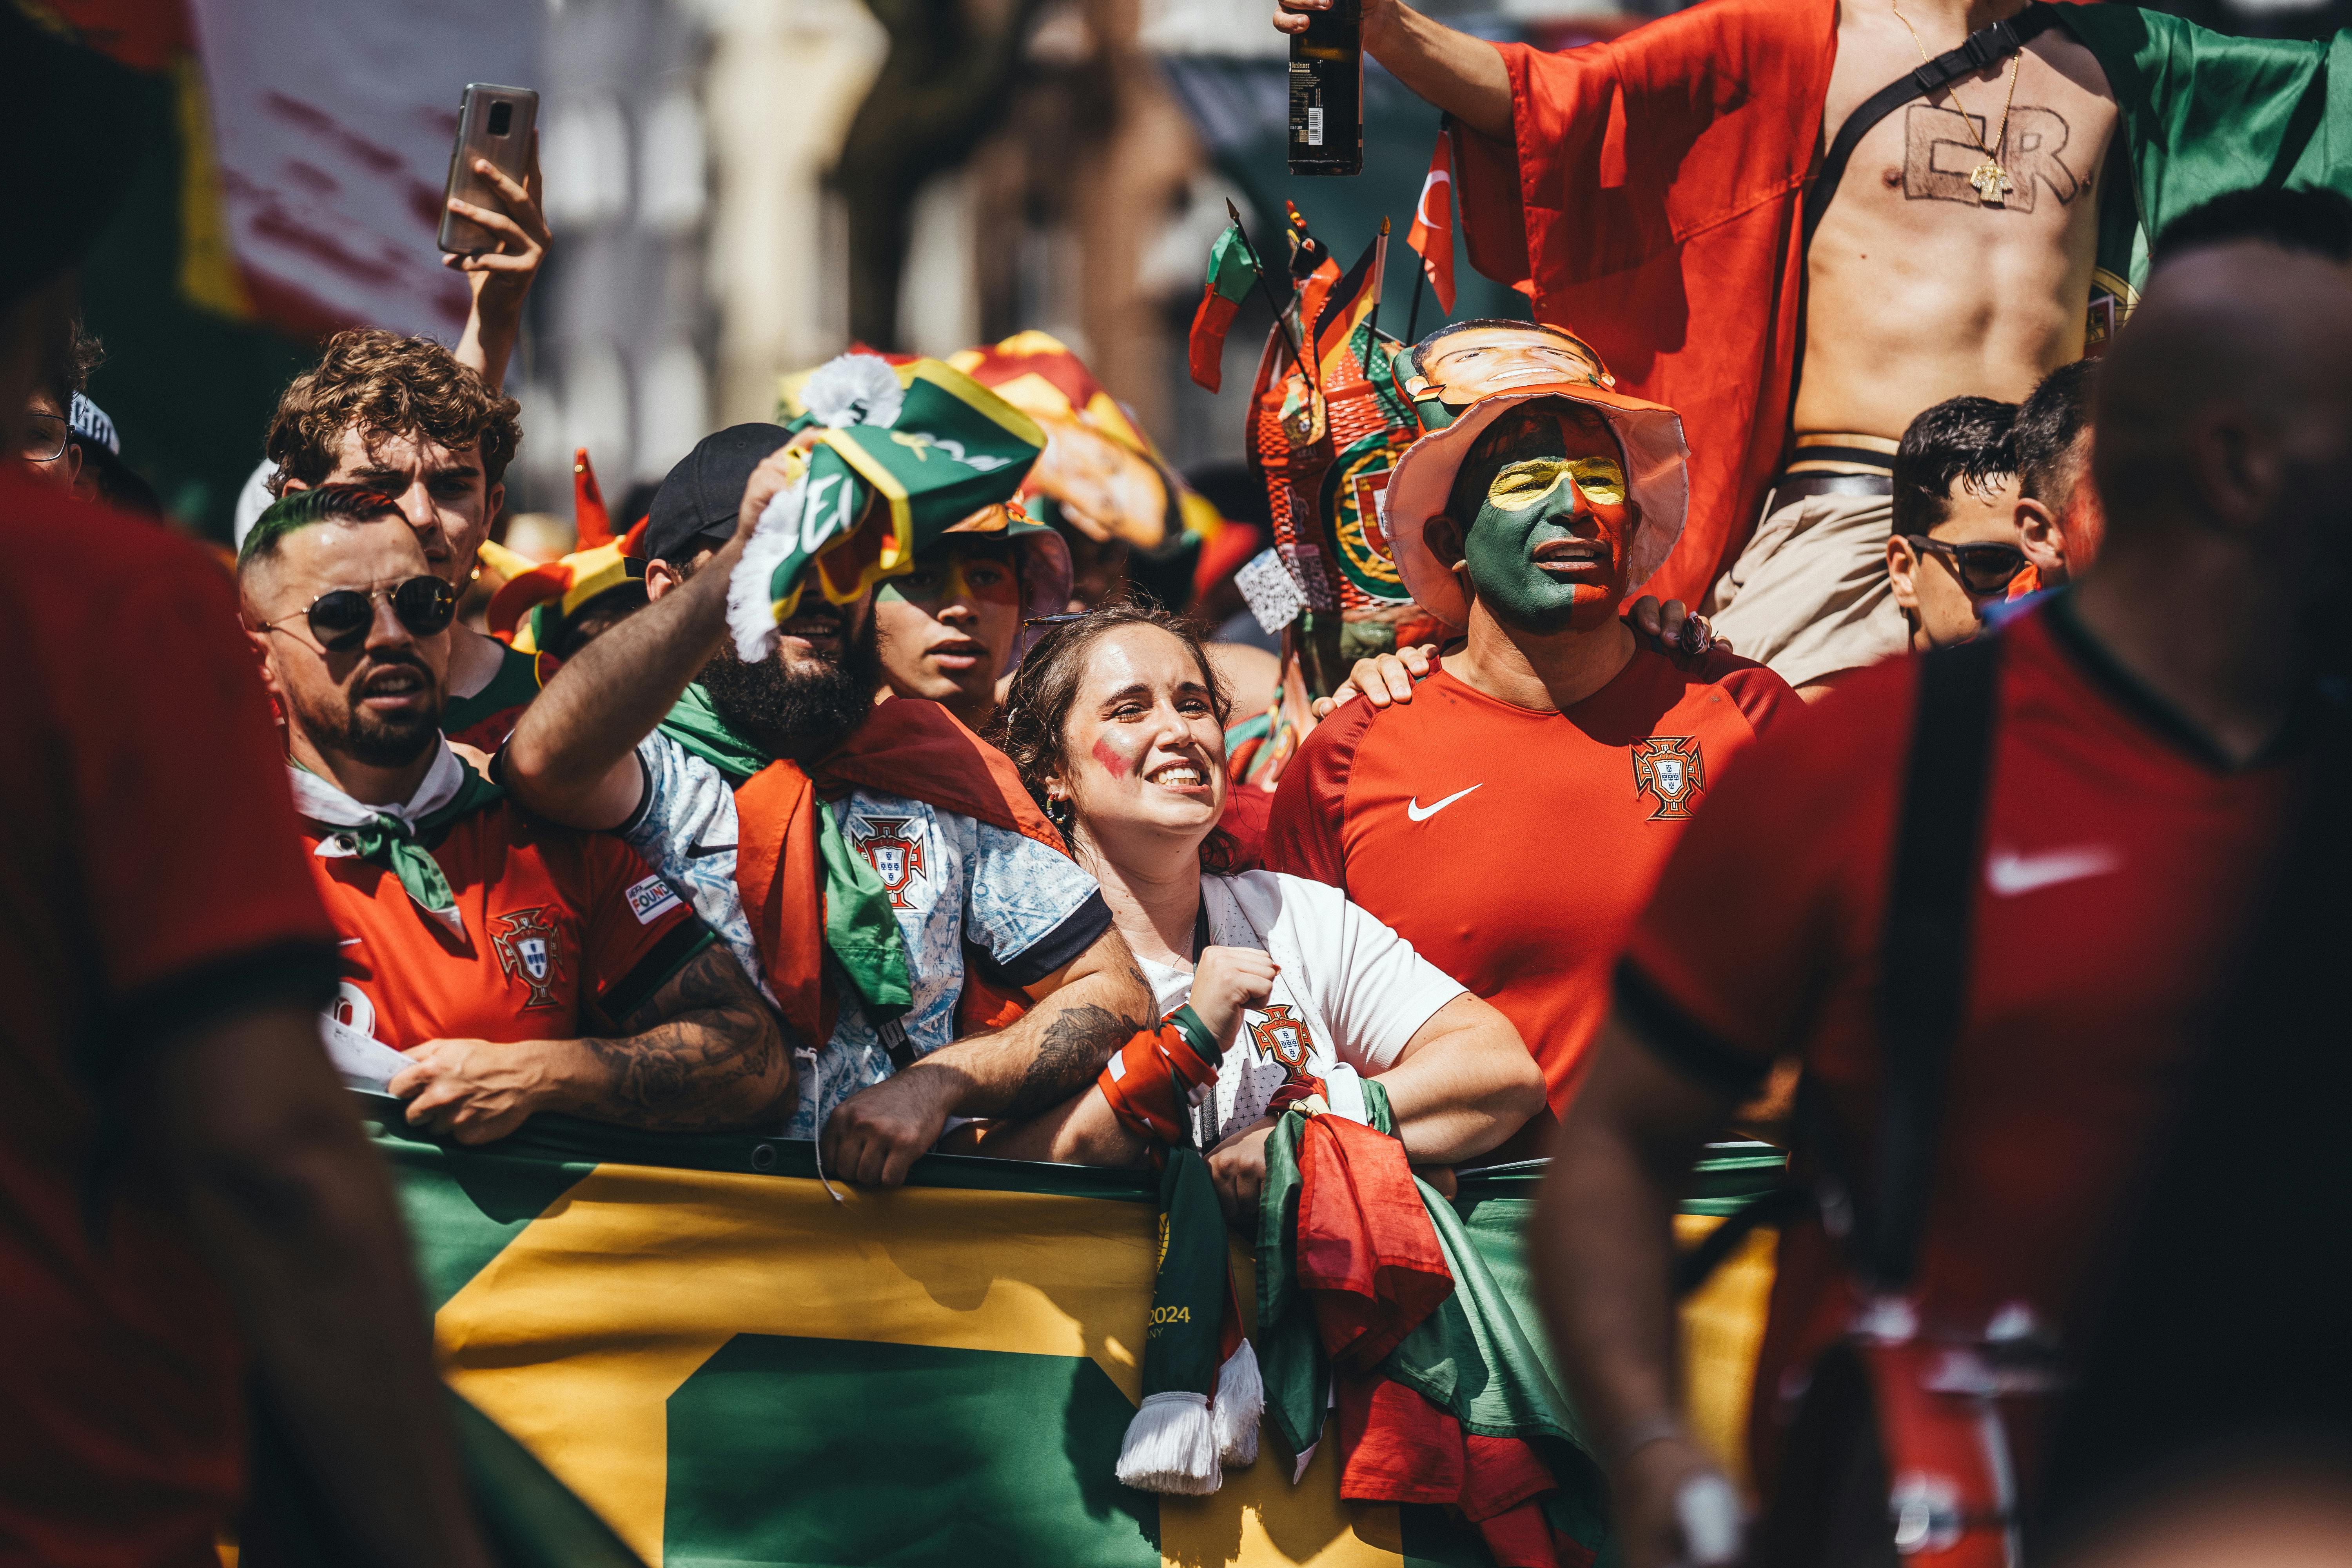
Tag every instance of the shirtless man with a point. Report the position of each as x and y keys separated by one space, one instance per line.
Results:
x=1930 y=275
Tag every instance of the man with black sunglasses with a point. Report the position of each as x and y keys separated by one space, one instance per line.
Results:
x=520 y=967
x=1955 y=548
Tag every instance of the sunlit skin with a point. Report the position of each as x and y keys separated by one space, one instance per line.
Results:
x=1467 y=365
x=1941 y=610
x=394 y=679
x=945 y=631
x=1106 y=490
x=1546 y=551
x=447 y=498
x=2062 y=540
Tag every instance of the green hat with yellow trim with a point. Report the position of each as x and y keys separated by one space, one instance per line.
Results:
x=891 y=457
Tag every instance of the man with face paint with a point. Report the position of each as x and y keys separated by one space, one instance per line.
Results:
x=1509 y=821
x=950 y=630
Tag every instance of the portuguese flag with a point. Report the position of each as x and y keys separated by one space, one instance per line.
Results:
x=728 y=1366
x=1233 y=273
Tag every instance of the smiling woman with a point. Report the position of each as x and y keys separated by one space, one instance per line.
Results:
x=1116 y=723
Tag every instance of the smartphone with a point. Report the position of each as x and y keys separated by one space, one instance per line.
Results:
x=493 y=122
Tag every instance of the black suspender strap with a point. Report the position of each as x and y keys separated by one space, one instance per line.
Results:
x=1985 y=46
x=1924 y=959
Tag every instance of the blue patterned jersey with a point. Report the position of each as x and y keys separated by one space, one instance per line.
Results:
x=951 y=879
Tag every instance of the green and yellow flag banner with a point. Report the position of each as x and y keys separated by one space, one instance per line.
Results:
x=728 y=1364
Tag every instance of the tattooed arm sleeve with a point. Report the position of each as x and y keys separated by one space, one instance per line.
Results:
x=705 y=1053
x=1088 y=1009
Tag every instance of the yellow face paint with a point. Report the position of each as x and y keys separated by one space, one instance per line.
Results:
x=1524 y=485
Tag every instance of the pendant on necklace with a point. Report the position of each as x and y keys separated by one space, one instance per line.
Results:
x=1992 y=183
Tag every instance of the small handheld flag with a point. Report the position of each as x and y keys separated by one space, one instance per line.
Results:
x=1232 y=272
x=1431 y=235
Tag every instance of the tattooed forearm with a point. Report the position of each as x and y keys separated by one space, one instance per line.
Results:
x=706 y=1054
x=1076 y=1042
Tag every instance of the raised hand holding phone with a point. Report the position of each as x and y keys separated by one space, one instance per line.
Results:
x=491 y=226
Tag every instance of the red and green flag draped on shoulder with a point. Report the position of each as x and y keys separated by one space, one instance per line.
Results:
x=1678 y=153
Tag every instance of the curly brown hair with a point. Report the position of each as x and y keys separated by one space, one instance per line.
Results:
x=386 y=384
x=1033 y=728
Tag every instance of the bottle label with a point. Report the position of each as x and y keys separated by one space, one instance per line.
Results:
x=1315 y=126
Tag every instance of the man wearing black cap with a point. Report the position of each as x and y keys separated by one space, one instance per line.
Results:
x=720 y=797
x=188 y=1211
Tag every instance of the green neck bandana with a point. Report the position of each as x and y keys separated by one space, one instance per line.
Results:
x=397 y=840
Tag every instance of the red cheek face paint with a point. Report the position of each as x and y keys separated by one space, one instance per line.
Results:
x=1113 y=763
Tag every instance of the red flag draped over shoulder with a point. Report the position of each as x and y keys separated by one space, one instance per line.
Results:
x=1652 y=206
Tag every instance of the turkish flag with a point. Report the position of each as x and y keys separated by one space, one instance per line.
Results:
x=1431 y=236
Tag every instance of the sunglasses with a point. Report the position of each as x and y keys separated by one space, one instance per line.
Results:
x=1980 y=568
x=341 y=619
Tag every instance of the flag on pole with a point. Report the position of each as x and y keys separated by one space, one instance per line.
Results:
x=1431 y=235
x=1233 y=273
x=1351 y=302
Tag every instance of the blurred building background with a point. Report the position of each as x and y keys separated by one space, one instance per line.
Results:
x=739 y=188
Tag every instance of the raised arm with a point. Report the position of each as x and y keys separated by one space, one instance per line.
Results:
x=290 y=1207
x=702 y=1054
x=1085 y=1011
x=572 y=757
x=500 y=279
x=1461 y=75
x=1603 y=1254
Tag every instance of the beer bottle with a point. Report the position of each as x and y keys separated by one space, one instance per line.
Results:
x=1326 y=92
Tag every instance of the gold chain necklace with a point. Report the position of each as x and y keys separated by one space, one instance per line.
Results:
x=1991 y=180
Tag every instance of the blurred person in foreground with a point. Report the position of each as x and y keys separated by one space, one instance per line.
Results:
x=1509 y=820
x=1955 y=546
x=188 y=1210
x=519 y=968
x=862 y=859
x=1116 y=723
x=2120 y=764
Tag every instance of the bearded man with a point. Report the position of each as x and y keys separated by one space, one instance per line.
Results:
x=519 y=968
x=1888 y=203
x=908 y=847
x=1509 y=820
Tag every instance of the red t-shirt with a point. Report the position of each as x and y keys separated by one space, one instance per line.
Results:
x=2119 y=858
x=1512 y=848
x=565 y=932
x=149 y=884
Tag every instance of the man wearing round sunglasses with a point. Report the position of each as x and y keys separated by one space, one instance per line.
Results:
x=1954 y=549
x=950 y=630
x=520 y=967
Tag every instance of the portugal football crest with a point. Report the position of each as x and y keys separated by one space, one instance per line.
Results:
x=530 y=949
x=1670 y=768
x=895 y=858
x=1283 y=1038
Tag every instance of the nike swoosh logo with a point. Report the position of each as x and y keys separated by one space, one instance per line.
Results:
x=2009 y=873
x=703 y=851
x=350 y=942
x=1420 y=813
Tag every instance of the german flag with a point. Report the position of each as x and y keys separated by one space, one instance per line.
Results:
x=1350 y=305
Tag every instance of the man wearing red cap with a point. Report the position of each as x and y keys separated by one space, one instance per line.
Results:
x=1511 y=819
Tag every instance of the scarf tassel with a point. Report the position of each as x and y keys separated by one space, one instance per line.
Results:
x=1171 y=1446
x=1239 y=1408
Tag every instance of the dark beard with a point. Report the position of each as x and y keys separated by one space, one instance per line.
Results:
x=346 y=729
x=797 y=715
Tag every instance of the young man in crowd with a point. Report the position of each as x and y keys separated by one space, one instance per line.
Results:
x=1876 y=234
x=950 y=630
x=194 y=1234
x=402 y=416
x=2059 y=520
x=755 y=769
x=522 y=968
x=1509 y=819
x=1954 y=549
x=2152 y=727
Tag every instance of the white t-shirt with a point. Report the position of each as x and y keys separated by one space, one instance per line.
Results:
x=1355 y=992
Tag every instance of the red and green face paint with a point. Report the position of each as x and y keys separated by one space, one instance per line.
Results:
x=1544 y=491
x=1114 y=761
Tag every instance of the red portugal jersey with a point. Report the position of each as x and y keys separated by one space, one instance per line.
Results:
x=149 y=886
x=1512 y=848
x=566 y=933
x=2119 y=859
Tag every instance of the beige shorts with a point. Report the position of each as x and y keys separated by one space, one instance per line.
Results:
x=1809 y=595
